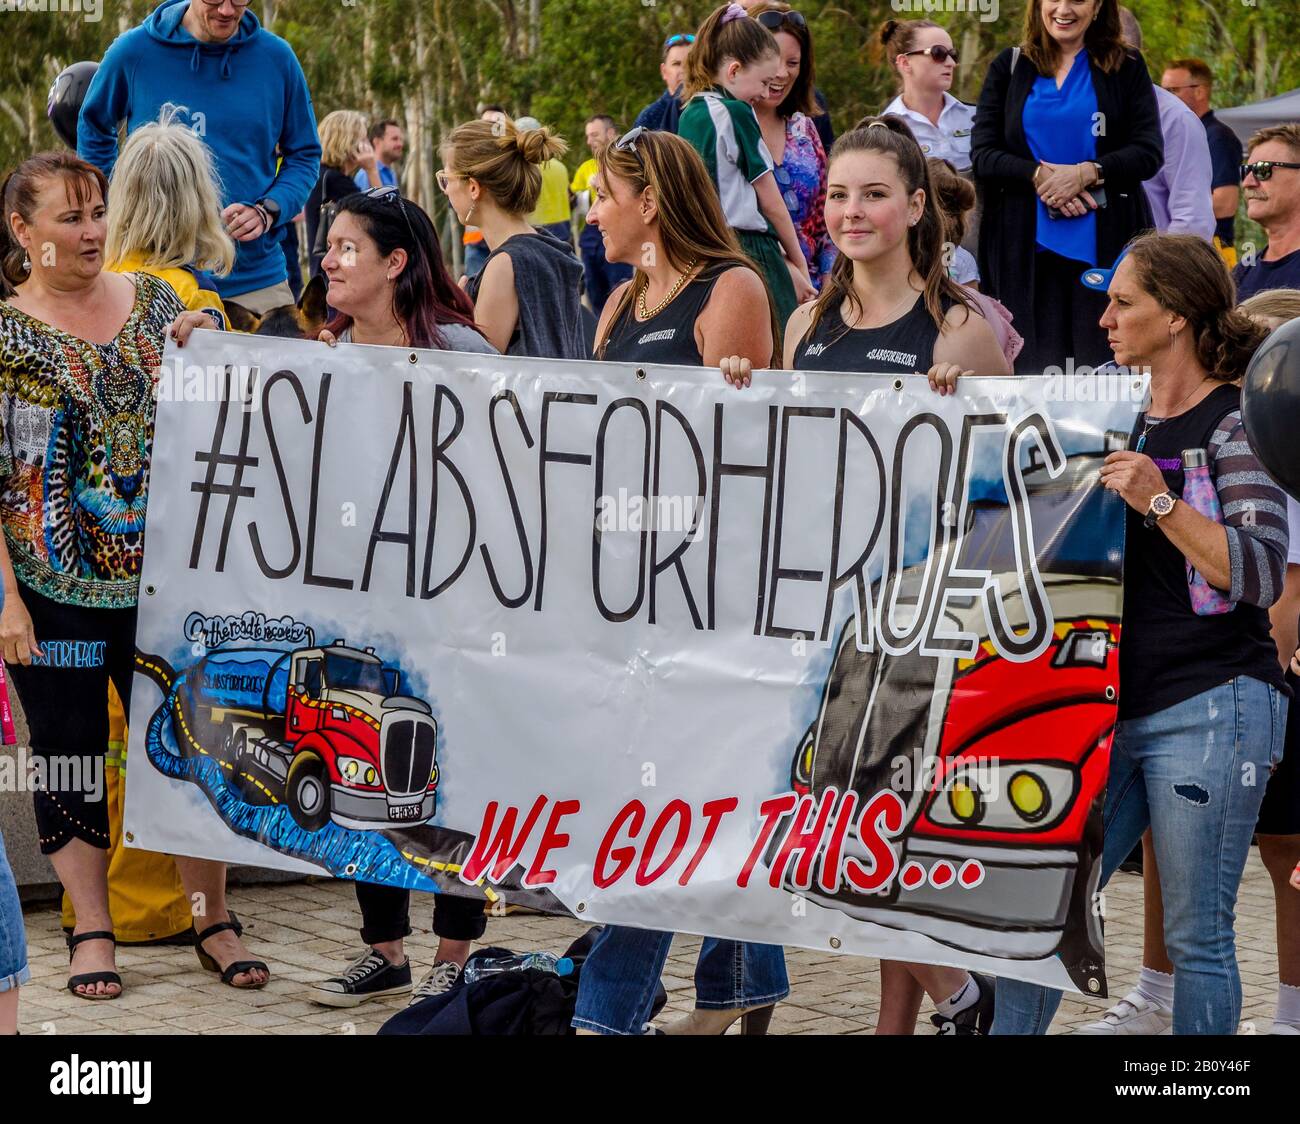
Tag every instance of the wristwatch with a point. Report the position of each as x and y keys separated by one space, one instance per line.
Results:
x=1101 y=174
x=1161 y=506
x=272 y=209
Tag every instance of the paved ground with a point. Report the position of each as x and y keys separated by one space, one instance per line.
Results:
x=304 y=929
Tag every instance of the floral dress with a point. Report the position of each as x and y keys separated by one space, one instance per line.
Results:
x=801 y=176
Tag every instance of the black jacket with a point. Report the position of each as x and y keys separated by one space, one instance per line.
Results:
x=1129 y=150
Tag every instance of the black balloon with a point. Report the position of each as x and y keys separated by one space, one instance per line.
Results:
x=66 y=96
x=1270 y=406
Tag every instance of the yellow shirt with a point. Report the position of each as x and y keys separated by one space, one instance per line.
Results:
x=582 y=177
x=186 y=283
x=553 y=203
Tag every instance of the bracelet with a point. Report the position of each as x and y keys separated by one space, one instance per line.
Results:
x=1034 y=178
x=263 y=214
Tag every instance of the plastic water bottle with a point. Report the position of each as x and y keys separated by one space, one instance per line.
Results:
x=485 y=966
x=1199 y=493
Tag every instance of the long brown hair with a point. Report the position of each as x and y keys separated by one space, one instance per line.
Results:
x=692 y=226
x=925 y=240
x=800 y=98
x=18 y=194
x=745 y=40
x=1186 y=276
x=1104 y=39
x=505 y=160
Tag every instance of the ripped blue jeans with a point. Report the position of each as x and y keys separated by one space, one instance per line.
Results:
x=1195 y=773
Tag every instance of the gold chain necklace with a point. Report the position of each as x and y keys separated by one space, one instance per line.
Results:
x=649 y=314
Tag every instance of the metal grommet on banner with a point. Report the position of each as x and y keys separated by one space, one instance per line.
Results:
x=1094 y=984
x=150 y=590
x=350 y=869
x=1110 y=694
x=413 y=359
x=898 y=384
x=130 y=836
x=835 y=942
x=581 y=907
x=640 y=374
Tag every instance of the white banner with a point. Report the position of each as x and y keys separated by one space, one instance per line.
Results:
x=409 y=617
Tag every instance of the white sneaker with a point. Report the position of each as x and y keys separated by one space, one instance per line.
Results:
x=1285 y=1028
x=1134 y=1014
x=442 y=977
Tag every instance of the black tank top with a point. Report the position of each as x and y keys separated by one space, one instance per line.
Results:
x=903 y=347
x=669 y=337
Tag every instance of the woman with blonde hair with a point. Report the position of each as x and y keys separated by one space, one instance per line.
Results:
x=166 y=214
x=526 y=297
x=345 y=148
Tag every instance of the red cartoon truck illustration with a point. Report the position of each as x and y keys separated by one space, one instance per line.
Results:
x=996 y=761
x=321 y=729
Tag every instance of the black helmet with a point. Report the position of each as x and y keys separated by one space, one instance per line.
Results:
x=66 y=96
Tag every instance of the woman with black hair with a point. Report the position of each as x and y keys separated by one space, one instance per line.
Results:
x=388 y=285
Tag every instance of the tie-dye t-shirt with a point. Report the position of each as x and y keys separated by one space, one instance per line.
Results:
x=76 y=435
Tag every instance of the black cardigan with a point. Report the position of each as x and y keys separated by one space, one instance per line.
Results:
x=1130 y=150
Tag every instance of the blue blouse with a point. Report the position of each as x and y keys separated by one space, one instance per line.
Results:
x=1059 y=128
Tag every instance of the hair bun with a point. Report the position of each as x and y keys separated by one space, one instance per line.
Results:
x=538 y=145
x=887 y=31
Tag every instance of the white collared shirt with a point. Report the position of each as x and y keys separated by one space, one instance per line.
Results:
x=950 y=139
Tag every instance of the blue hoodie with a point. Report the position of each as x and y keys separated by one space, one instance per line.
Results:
x=243 y=97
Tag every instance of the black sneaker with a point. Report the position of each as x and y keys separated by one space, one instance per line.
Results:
x=975 y=1019
x=369 y=976
x=442 y=977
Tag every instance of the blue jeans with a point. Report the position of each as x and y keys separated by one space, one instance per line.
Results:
x=476 y=256
x=1195 y=773
x=621 y=973
x=14 y=971
x=602 y=276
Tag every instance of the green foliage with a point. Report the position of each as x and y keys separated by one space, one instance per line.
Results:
x=432 y=63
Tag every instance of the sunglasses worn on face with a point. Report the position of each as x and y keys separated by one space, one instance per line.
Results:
x=1263 y=169
x=774 y=21
x=938 y=52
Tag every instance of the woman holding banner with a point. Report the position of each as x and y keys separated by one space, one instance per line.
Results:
x=889 y=306
x=1203 y=702
x=79 y=348
x=389 y=286
x=695 y=297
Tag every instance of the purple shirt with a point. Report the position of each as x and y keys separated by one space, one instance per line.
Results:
x=1180 y=193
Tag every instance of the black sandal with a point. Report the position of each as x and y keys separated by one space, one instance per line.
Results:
x=86 y=979
x=235 y=969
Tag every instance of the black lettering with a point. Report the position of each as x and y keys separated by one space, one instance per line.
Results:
x=286 y=496
x=405 y=435
x=525 y=553
x=440 y=459
x=675 y=558
x=856 y=569
x=766 y=472
x=778 y=573
x=631 y=610
x=545 y=457
x=310 y=576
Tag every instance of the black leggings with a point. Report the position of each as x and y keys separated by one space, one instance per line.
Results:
x=65 y=698
x=386 y=915
x=1066 y=318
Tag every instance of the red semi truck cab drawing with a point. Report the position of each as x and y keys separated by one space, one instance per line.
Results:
x=324 y=730
x=997 y=761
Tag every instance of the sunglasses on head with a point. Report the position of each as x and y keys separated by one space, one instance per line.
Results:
x=774 y=21
x=627 y=143
x=1263 y=169
x=938 y=52
x=390 y=194
x=678 y=40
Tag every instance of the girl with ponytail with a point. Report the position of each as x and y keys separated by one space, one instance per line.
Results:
x=888 y=305
x=526 y=298
x=729 y=69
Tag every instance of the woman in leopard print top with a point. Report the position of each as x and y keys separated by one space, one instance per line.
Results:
x=79 y=348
